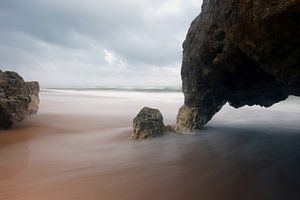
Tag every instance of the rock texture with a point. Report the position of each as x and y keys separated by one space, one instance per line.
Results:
x=17 y=99
x=245 y=52
x=148 y=124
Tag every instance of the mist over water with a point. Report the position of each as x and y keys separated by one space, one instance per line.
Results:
x=79 y=147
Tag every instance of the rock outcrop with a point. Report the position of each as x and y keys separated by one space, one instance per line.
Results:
x=244 y=52
x=17 y=99
x=148 y=124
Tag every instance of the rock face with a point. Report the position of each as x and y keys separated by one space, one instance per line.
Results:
x=148 y=124
x=17 y=98
x=245 y=52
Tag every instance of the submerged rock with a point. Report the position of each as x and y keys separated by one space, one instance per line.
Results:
x=17 y=98
x=240 y=52
x=148 y=124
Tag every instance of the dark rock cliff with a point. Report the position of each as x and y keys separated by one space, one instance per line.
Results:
x=17 y=98
x=245 y=52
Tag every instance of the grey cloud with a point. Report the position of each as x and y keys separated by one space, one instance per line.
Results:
x=47 y=37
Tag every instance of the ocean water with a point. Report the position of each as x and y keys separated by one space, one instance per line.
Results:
x=243 y=154
x=79 y=147
x=171 y=93
x=126 y=88
x=162 y=93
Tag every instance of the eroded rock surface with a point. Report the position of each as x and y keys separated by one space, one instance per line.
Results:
x=17 y=99
x=148 y=124
x=245 y=52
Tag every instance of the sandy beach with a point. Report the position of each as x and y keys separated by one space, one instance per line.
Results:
x=78 y=147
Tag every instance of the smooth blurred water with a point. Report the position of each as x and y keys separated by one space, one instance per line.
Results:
x=79 y=147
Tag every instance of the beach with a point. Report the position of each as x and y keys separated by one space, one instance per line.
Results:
x=79 y=147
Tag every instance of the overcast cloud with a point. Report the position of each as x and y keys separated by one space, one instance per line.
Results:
x=95 y=42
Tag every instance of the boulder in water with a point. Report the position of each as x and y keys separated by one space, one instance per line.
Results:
x=148 y=124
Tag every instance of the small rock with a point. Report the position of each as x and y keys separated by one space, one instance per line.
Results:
x=170 y=129
x=148 y=124
x=34 y=90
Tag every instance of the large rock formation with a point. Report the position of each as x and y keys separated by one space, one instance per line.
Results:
x=245 y=52
x=17 y=98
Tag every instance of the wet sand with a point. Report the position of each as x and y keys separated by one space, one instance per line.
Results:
x=78 y=147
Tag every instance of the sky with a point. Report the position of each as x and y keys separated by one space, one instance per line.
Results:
x=63 y=43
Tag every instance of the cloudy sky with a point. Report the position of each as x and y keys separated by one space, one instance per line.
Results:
x=95 y=42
